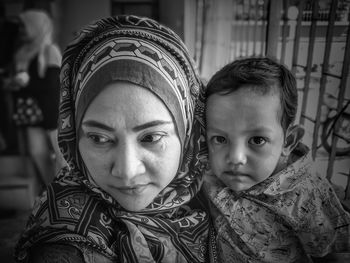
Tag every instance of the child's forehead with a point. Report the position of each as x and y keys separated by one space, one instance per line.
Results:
x=259 y=94
x=246 y=103
x=268 y=90
x=245 y=97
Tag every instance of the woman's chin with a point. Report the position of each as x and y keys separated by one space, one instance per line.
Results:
x=135 y=203
x=135 y=206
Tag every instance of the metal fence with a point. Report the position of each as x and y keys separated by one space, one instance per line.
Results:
x=310 y=37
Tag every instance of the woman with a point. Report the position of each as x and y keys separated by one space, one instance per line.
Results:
x=131 y=129
x=36 y=89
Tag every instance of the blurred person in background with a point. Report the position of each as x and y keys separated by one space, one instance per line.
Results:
x=35 y=87
x=9 y=34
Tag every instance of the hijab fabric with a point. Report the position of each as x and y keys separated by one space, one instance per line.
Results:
x=174 y=227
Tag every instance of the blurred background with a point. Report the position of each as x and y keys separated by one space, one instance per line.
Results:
x=311 y=37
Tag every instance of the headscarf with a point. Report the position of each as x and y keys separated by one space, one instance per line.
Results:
x=38 y=30
x=174 y=227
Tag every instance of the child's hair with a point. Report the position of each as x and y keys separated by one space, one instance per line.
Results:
x=262 y=75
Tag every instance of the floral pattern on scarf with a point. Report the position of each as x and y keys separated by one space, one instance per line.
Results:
x=289 y=217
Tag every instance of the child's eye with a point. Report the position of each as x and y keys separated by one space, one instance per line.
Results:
x=218 y=140
x=152 y=138
x=99 y=139
x=257 y=140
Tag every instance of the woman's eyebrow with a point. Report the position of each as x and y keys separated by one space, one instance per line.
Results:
x=151 y=124
x=96 y=124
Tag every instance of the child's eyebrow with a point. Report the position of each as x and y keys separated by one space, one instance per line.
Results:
x=210 y=127
x=260 y=129
x=214 y=129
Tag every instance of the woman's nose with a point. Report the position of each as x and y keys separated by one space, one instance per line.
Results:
x=127 y=161
x=237 y=155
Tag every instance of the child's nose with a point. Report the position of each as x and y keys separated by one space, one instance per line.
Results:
x=237 y=155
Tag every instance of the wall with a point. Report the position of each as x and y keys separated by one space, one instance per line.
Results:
x=171 y=14
x=72 y=15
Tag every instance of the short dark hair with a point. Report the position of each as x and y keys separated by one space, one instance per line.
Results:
x=263 y=74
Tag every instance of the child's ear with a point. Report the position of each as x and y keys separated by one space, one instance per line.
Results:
x=294 y=134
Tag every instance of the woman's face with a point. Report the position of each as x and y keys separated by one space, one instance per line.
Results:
x=129 y=144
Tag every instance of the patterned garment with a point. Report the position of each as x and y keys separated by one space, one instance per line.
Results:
x=174 y=228
x=289 y=217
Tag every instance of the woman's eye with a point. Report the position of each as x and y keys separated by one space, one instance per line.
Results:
x=152 y=138
x=259 y=141
x=218 y=140
x=98 y=139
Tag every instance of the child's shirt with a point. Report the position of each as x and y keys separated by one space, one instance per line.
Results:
x=292 y=215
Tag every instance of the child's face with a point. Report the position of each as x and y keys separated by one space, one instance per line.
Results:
x=245 y=137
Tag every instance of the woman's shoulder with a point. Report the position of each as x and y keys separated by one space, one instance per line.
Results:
x=52 y=55
x=68 y=253
x=56 y=253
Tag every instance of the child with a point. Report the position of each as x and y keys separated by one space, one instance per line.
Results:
x=267 y=203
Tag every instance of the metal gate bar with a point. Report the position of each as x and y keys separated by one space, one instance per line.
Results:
x=310 y=52
x=256 y=12
x=325 y=65
x=284 y=30
x=247 y=28
x=342 y=87
x=301 y=8
x=263 y=28
x=273 y=30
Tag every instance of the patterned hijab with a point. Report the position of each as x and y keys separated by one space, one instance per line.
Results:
x=174 y=227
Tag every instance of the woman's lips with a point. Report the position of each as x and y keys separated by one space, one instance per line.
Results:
x=132 y=190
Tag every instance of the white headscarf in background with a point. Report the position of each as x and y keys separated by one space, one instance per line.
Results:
x=38 y=32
